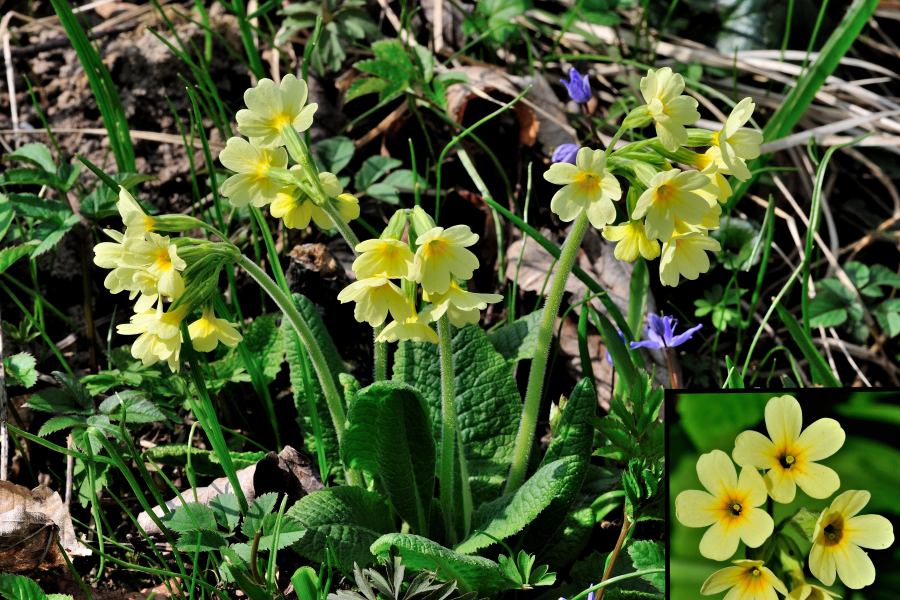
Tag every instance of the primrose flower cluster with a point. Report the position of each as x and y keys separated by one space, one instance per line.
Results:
x=669 y=210
x=275 y=115
x=390 y=272
x=151 y=268
x=775 y=466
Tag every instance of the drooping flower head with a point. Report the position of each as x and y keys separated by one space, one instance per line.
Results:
x=461 y=306
x=587 y=186
x=252 y=182
x=632 y=241
x=668 y=108
x=209 y=330
x=375 y=297
x=684 y=255
x=565 y=153
x=441 y=255
x=735 y=144
x=660 y=333
x=159 y=336
x=385 y=257
x=746 y=580
x=158 y=265
x=672 y=196
x=272 y=107
x=578 y=86
x=728 y=507
x=789 y=455
x=415 y=328
x=839 y=537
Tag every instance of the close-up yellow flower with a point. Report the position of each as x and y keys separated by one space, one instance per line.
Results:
x=159 y=265
x=375 y=297
x=441 y=255
x=685 y=256
x=735 y=143
x=632 y=241
x=728 y=507
x=587 y=186
x=292 y=207
x=252 y=182
x=159 y=336
x=807 y=591
x=718 y=189
x=670 y=110
x=209 y=330
x=672 y=195
x=386 y=257
x=789 y=455
x=414 y=328
x=271 y=107
x=839 y=537
x=746 y=580
x=461 y=306
x=136 y=221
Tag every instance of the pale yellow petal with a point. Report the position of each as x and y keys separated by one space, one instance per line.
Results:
x=756 y=527
x=784 y=419
x=561 y=173
x=821 y=439
x=753 y=449
x=751 y=482
x=849 y=503
x=781 y=485
x=717 y=473
x=695 y=508
x=817 y=481
x=721 y=580
x=869 y=531
x=854 y=567
x=821 y=564
x=720 y=542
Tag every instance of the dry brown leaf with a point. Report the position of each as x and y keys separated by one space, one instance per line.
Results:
x=287 y=472
x=31 y=523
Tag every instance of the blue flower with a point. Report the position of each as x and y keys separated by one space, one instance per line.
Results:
x=579 y=87
x=565 y=153
x=660 y=333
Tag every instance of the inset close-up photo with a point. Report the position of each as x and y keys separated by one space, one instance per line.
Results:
x=784 y=494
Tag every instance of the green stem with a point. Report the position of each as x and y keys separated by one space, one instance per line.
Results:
x=320 y=364
x=617 y=579
x=381 y=355
x=528 y=421
x=342 y=226
x=448 y=429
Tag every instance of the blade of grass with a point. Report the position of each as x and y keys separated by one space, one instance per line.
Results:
x=104 y=90
x=803 y=93
x=821 y=372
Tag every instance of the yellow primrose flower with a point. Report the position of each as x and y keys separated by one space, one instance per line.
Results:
x=728 y=505
x=735 y=143
x=386 y=257
x=136 y=221
x=252 y=182
x=347 y=205
x=840 y=536
x=684 y=255
x=670 y=110
x=207 y=331
x=788 y=455
x=414 y=328
x=159 y=336
x=271 y=107
x=632 y=240
x=718 y=188
x=441 y=254
x=374 y=297
x=671 y=195
x=747 y=580
x=159 y=265
x=461 y=306
x=294 y=208
x=111 y=255
x=588 y=186
x=807 y=591
x=709 y=220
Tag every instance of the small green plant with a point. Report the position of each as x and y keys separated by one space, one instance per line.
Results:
x=391 y=583
x=343 y=23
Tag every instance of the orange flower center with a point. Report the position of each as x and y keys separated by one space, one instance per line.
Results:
x=664 y=193
x=163 y=262
x=587 y=182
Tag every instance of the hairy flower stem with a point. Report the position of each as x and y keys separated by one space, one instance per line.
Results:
x=528 y=421
x=381 y=355
x=611 y=561
x=342 y=226
x=449 y=436
x=320 y=364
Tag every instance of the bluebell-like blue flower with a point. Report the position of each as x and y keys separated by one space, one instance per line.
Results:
x=579 y=87
x=565 y=153
x=660 y=333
